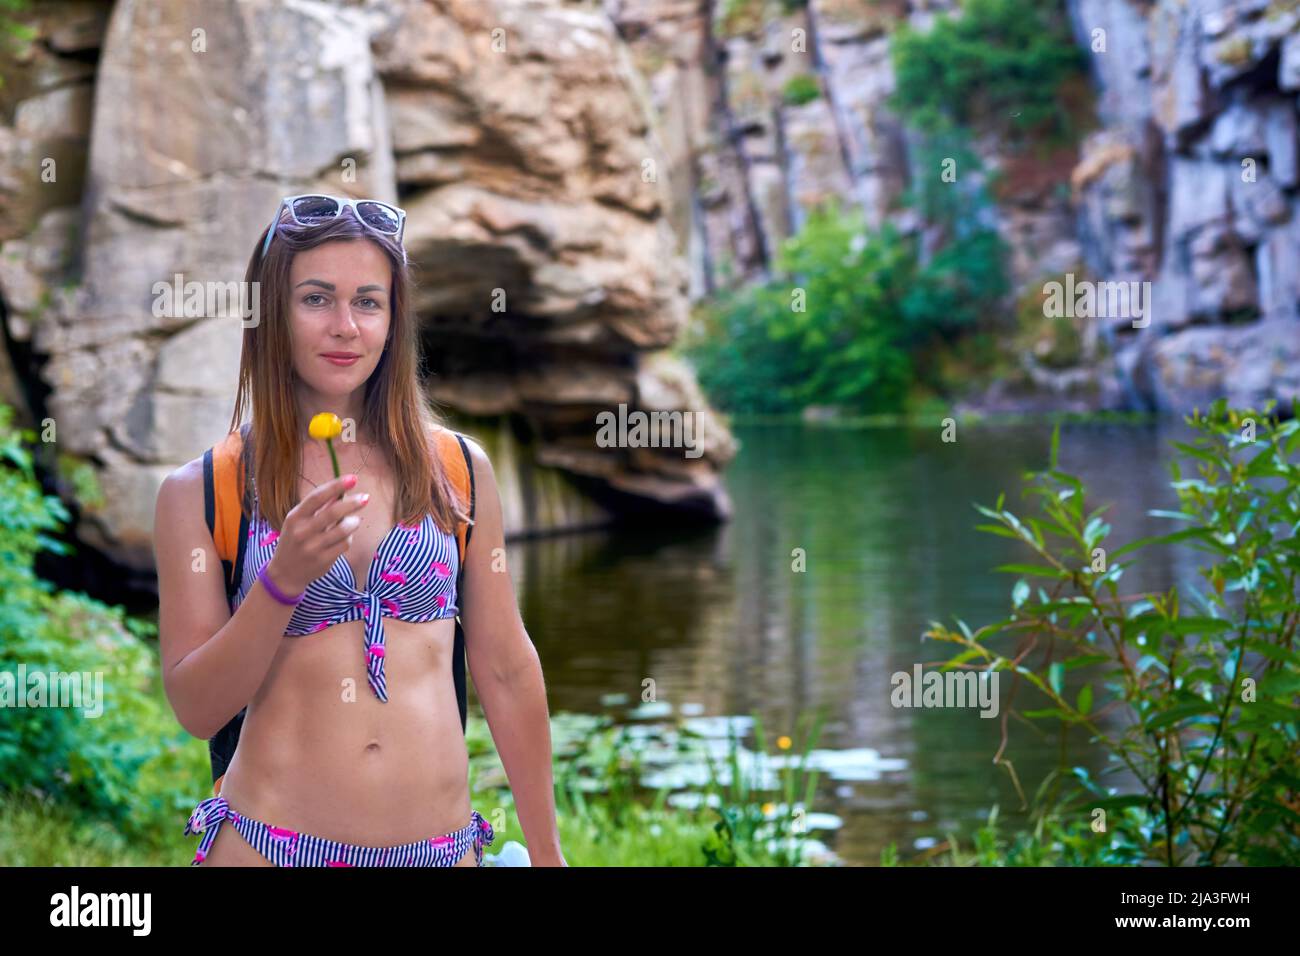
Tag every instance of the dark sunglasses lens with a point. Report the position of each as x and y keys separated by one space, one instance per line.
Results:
x=380 y=217
x=312 y=209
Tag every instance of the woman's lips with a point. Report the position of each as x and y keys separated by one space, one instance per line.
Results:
x=339 y=360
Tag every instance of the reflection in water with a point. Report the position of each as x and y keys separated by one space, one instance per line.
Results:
x=717 y=618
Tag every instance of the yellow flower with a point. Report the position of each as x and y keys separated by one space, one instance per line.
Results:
x=783 y=742
x=325 y=425
x=768 y=809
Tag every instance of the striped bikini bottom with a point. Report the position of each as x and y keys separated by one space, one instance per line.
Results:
x=293 y=848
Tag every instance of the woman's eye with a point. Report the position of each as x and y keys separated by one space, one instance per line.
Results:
x=314 y=298
x=368 y=303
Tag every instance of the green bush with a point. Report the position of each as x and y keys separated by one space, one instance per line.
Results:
x=1000 y=65
x=739 y=365
x=131 y=766
x=1192 y=693
x=801 y=88
x=844 y=324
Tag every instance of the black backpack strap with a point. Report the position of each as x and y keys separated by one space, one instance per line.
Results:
x=458 y=648
x=210 y=512
x=237 y=574
x=469 y=465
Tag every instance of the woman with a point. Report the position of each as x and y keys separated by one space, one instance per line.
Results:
x=351 y=751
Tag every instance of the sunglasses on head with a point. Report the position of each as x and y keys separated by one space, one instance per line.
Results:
x=312 y=209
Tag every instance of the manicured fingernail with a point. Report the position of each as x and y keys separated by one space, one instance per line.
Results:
x=365 y=498
x=350 y=480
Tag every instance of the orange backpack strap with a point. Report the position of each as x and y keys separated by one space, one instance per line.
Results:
x=223 y=486
x=456 y=462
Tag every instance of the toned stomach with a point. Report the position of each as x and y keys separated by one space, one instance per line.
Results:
x=320 y=753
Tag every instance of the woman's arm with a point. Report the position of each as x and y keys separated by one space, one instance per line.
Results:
x=212 y=662
x=506 y=671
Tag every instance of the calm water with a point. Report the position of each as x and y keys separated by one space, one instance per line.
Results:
x=719 y=620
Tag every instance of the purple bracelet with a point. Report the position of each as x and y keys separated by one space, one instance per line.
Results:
x=273 y=590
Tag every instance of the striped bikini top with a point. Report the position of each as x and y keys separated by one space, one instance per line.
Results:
x=412 y=577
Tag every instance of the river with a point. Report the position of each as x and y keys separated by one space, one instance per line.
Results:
x=724 y=627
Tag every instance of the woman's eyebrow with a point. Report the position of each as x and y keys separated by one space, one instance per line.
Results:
x=330 y=286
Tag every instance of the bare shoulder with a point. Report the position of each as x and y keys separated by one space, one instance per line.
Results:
x=180 y=490
x=179 y=525
x=191 y=588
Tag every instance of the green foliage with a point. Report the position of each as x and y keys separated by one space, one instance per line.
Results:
x=845 y=322
x=749 y=830
x=1194 y=698
x=752 y=817
x=1001 y=65
x=1053 y=341
x=15 y=33
x=85 y=483
x=129 y=765
x=735 y=360
x=740 y=17
x=801 y=88
x=1052 y=841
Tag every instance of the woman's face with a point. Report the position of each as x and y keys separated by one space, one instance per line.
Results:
x=339 y=304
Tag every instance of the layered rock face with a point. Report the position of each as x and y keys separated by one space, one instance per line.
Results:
x=1186 y=92
x=1191 y=184
x=550 y=284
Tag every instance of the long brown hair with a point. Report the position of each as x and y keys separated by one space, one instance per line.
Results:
x=395 y=405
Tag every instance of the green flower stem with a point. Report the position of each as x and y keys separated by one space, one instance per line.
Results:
x=329 y=443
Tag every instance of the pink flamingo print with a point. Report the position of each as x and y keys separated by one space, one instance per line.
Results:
x=375 y=650
x=270 y=537
x=284 y=836
x=320 y=627
x=442 y=569
x=389 y=575
x=442 y=841
x=392 y=605
x=440 y=600
x=336 y=863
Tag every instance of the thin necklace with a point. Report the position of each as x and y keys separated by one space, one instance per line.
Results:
x=369 y=448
